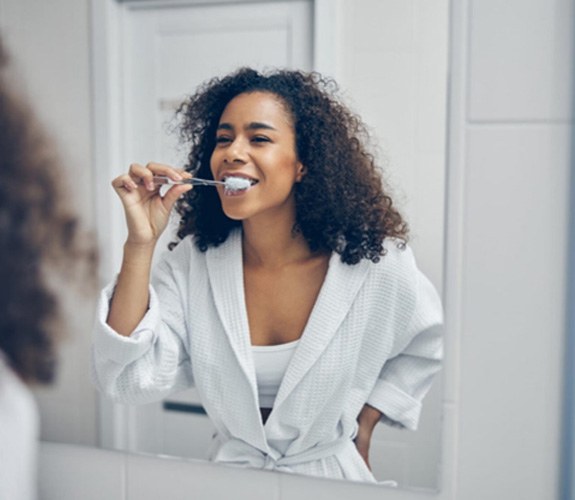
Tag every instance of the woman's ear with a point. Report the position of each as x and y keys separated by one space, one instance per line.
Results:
x=301 y=171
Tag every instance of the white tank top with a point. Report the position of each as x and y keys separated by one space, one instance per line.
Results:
x=271 y=362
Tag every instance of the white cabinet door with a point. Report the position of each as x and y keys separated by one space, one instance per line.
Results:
x=168 y=52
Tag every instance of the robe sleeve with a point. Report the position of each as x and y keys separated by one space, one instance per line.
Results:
x=406 y=377
x=153 y=362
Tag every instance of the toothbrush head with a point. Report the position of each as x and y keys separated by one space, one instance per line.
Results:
x=237 y=183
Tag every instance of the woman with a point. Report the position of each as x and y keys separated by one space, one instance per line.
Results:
x=39 y=241
x=295 y=306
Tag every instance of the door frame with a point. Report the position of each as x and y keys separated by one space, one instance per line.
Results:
x=115 y=427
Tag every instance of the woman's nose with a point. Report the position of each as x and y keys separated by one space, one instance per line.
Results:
x=235 y=152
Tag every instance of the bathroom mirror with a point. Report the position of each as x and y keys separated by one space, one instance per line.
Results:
x=390 y=60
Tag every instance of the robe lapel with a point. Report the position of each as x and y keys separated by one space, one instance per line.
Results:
x=341 y=285
x=225 y=271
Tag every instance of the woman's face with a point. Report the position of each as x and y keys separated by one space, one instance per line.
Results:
x=256 y=139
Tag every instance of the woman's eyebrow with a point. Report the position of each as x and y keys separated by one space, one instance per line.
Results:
x=250 y=126
x=258 y=125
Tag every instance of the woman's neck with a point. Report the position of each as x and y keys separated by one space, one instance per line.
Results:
x=273 y=243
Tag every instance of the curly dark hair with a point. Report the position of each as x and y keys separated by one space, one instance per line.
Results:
x=341 y=204
x=38 y=235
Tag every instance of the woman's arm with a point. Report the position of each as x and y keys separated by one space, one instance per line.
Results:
x=367 y=420
x=147 y=214
x=153 y=361
x=131 y=295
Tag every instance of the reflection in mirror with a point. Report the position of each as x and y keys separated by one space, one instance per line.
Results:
x=391 y=66
x=395 y=79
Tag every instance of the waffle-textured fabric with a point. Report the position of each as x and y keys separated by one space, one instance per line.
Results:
x=374 y=336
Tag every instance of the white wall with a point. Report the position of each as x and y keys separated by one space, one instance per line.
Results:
x=393 y=69
x=510 y=126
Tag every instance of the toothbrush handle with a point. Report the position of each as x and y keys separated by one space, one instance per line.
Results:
x=160 y=180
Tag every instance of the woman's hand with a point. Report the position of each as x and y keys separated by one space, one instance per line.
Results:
x=367 y=420
x=147 y=212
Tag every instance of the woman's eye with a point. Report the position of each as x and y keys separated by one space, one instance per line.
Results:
x=222 y=139
x=260 y=138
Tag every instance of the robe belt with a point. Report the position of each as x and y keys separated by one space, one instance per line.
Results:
x=238 y=452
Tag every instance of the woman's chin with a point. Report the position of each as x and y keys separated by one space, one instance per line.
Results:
x=238 y=215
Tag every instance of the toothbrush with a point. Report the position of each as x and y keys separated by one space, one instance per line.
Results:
x=231 y=183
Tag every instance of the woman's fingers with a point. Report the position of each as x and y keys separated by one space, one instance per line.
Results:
x=139 y=176
x=142 y=175
x=176 y=174
x=145 y=175
x=124 y=182
x=147 y=208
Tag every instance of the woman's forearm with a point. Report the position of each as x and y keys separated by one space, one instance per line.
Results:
x=131 y=295
x=369 y=417
x=367 y=420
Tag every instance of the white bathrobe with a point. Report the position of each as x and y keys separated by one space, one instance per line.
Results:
x=373 y=337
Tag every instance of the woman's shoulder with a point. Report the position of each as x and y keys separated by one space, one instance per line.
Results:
x=397 y=267
x=397 y=270
x=398 y=256
x=398 y=278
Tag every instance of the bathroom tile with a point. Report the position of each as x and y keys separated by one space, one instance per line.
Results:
x=511 y=339
x=521 y=60
x=69 y=472
x=516 y=236
x=153 y=478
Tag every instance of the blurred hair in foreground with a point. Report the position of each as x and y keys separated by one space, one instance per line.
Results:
x=40 y=239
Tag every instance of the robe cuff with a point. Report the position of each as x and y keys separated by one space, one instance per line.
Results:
x=110 y=345
x=398 y=408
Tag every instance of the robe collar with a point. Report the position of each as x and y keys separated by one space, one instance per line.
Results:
x=336 y=296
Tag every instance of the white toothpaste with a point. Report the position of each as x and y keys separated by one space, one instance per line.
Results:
x=237 y=183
